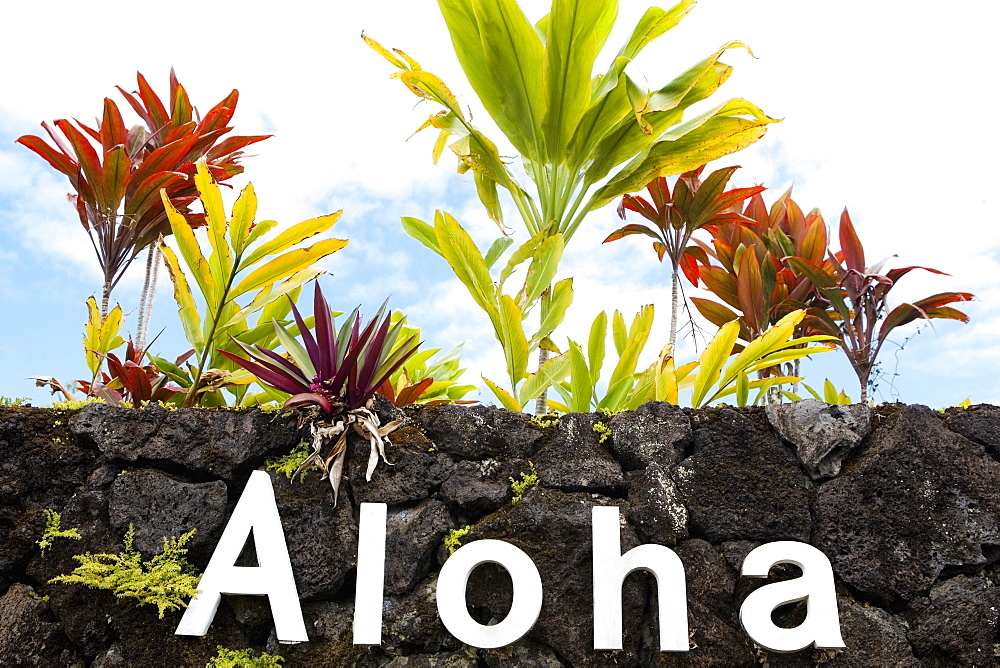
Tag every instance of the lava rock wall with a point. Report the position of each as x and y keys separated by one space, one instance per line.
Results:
x=903 y=500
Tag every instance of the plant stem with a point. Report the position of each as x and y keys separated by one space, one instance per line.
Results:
x=674 y=287
x=541 y=403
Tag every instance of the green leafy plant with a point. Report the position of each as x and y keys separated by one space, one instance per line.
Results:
x=677 y=216
x=243 y=658
x=580 y=390
x=425 y=377
x=520 y=487
x=453 y=539
x=603 y=431
x=333 y=378
x=831 y=395
x=131 y=383
x=711 y=378
x=7 y=402
x=117 y=173
x=240 y=263
x=166 y=580
x=290 y=464
x=857 y=313
x=584 y=137
x=53 y=530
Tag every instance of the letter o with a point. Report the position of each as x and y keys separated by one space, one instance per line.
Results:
x=454 y=579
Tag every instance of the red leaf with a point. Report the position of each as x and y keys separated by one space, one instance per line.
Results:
x=850 y=245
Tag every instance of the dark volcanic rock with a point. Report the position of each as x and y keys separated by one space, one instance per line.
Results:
x=740 y=483
x=480 y=432
x=415 y=471
x=465 y=658
x=28 y=636
x=330 y=645
x=412 y=537
x=823 y=434
x=476 y=488
x=159 y=506
x=980 y=424
x=554 y=529
x=215 y=443
x=411 y=621
x=655 y=432
x=322 y=539
x=921 y=498
x=575 y=460
x=874 y=638
x=655 y=506
x=959 y=623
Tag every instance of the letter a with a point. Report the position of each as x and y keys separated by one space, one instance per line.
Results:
x=256 y=511
x=815 y=587
x=611 y=567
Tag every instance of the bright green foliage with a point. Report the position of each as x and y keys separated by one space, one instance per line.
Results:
x=603 y=431
x=508 y=311
x=75 y=404
x=52 y=530
x=7 y=401
x=453 y=540
x=243 y=658
x=527 y=481
x=165 y=581
x=426 y=377
x=101 y=335
x=579 y=391
x=831 y=395
x=711 y=378
x=240 y=263
x=290 y=463
x=546 y=420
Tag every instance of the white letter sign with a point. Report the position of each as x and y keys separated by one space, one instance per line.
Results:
x=815 y=587
x=611 y=567
x=256 y=511
x=454 y=578
x=371 y=575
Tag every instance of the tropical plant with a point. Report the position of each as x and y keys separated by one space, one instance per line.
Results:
x=580 y=391
x=677 y=216
x=856 y=296
x=131 y=383
x=707 y=378
x=426 y=377
x=506 y=311
x=333 y=377
x=831 y=395
x=240 y=263
x=573 y=127
x=101 y=335
x=117 y=173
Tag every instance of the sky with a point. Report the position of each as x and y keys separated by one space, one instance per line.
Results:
x=886 y=108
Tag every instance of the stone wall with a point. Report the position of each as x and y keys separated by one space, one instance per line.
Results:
x=904 y=501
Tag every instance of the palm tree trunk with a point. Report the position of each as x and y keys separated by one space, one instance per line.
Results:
x=148 y=294
x=541 y=403
x=674 y=287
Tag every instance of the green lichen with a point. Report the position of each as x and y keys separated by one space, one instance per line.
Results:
x=527 y=481
x=75 y=404
x=165 y=581
x=43 y=599
x=243 y=658
x=453 y=540
x=52 y=530
x=547 y=420
x=290 y=463
x=272 y=408
x=603 y=430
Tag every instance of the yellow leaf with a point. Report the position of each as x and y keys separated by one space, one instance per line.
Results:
x=286 y=265
x=293 y=235
x=508 y=402
x=186 y=309
x=187 y=244
x=243 y=214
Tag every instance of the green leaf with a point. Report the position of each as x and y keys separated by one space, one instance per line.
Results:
x=542 y=270
x=287 y=264
x=524 y=252
x=464 y=258
x=711 y=361
x=288 y=238
x=595 y=346
x=497 y=249
x=554 y=305
x=422 y=232
x=186 y=308
x=512 y=339
x=508 y=402
x=580 y=381
x=549 y=373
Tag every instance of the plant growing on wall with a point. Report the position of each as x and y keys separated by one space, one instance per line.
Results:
x=240 y=263
x=677 y=216
x=332 y=378
x=117 y=173
x=857 y=312
x=584 y=137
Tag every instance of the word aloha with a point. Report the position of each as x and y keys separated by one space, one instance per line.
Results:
x=257 y=512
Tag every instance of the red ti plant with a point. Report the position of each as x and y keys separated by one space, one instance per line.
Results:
x=117 y=173
x=677 y=216
x=855 y=296
x=333 y=377
x=756 y=287
x=130 y=382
